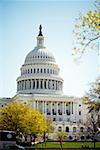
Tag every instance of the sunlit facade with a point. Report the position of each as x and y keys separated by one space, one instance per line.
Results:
x=41 y=86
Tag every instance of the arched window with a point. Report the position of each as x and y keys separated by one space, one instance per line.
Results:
x=38 y=70
x=74 y=129
x=59 y=128
x=81 y=129
x=67 y=129
x=44 y=70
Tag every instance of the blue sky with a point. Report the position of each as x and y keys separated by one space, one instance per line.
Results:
x=19 y=22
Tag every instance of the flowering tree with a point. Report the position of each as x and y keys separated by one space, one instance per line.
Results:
x=87 y=31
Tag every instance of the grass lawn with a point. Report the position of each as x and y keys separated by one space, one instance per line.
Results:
x=67 y=145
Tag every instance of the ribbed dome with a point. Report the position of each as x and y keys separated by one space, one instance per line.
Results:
x=39 y=54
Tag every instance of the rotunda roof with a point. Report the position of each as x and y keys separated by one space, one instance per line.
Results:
x=39 y=54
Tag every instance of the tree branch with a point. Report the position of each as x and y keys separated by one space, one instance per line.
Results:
x=87 y=44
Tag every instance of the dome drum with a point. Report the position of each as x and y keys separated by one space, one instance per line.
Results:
x=39 y=86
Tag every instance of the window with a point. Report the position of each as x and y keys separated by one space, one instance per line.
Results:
x=79 y=105
x=81 y=129
x=41 y=70
x=54 y=119
x=38 y=70
x=53 y=112
x=79 y=112
x=68 y=120
x=67 y=112
x=59 y=129
x=74 y=129
x=28 y=70
x=31 y=70
x=60 y=119
x=67 y=129
x=44 y=70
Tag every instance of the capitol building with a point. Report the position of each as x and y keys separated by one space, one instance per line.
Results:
x=41 y=86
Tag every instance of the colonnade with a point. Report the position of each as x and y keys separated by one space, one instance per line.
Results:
x=39 y=84
x=54 y=108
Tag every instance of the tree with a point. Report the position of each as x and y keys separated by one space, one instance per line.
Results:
x=20 y=117
x=87 y=31
x=92 y=99
x=94 y=96
x=61 y=136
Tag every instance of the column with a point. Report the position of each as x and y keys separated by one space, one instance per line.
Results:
x=34 y=104
x=27 y=84
x=72 y=107
x=35 y=83
x=17 y=86
x=47 y=84
x=39 y=84
x=51 y=84
x=37 y=105
x=57 y=85
x=65 y=107
x=57 y=108
x=23 y=84
x=31 y=83
x=69 y=108
x=43 y=83
x=43 y=107
x=51 y=109
x=54 y=85
x=62 y=108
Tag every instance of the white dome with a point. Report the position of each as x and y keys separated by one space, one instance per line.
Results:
x=40 y=72
x=39 y=55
